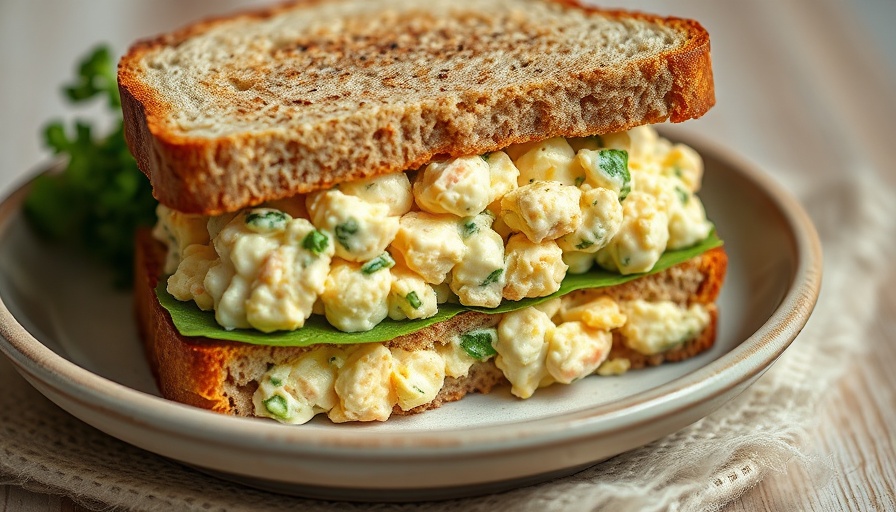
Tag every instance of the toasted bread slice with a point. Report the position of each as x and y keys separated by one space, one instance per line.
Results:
x=235 y=111
x=223 y=376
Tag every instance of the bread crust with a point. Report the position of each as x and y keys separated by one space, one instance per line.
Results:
x=222 y=375
x=318 y=127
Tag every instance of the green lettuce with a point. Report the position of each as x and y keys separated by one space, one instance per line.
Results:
x=191 y=321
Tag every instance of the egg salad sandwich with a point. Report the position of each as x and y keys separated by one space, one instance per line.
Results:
x=372 y=208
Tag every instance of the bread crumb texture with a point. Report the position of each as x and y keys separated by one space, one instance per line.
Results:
x=234 y=111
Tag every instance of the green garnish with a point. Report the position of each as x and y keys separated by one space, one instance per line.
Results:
x=614 y=164
x=97 y=201
x=580 y=180
x=478 y=344
x=683 y=195
x=469 y=229
x=277 y=381
x=584 y=244
x=266 y=220
x=192 y=321
x=316 y=242
x=485 y=156
x=277 y=406
x=345 y=231
x=493 y=277
x=413 y=300
x=380 y=262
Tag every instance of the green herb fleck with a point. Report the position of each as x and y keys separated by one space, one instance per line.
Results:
x=413 y=300
x=478 y=344
x=380 y=262
x=418 y=390
x=469 y=229
x=584 y=244
x=266 y=220
x=277 y=381
x=345 y=231
x=277 y=406
x=485 y=156
x=683 y=195
x=580 y=180
x=98 y=200
x=316 y=242
x=493 y=277
x=614 y=163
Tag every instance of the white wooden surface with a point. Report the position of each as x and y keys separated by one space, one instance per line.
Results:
x=803 y=86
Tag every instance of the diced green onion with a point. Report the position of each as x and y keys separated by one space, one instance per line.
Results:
x=493 y=277
x=380 y=262
x=316 y=242
x=469 y=229
x=266 y=220
x=683 y=195
x=277 y=406
x=345 y=231
x=277 y=381
x=584 y=244
x=485 y=156
x=478 y=344
x=413 y=300
x=614 y=163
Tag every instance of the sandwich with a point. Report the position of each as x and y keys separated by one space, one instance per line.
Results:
x=373 y=208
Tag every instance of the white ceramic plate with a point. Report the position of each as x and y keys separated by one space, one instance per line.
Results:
x=74 y=340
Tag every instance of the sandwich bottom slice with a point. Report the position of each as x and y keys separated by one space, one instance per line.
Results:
x=666 y=316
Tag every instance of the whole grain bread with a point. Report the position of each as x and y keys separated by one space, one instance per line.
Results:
x=234 y=111
x=223 y=376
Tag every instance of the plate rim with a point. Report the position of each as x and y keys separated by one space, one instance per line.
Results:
x=745 y=361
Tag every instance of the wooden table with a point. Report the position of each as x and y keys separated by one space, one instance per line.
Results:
x=805 y=56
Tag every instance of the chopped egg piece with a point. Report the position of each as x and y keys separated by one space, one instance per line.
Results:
x=478 y=278
x=392 y=190
x=460 y=186
x=549 y=160
x=532 y=270
x=522 y=349
x=576 y=350
x=362 y=230
x=655 y=327
x=543 y=210
x=364 y=386
x=417 y=376
x=430 y=244
x=355 y=300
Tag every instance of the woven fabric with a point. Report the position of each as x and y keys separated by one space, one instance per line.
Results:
x=702 y=467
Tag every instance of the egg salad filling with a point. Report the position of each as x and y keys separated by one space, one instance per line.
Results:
x=476 y=231
x=473 y=230
x=554 y=342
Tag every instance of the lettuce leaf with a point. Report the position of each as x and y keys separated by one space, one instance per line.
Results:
x=191 y=321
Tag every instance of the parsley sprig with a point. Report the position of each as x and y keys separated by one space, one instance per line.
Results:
x=100 y=197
